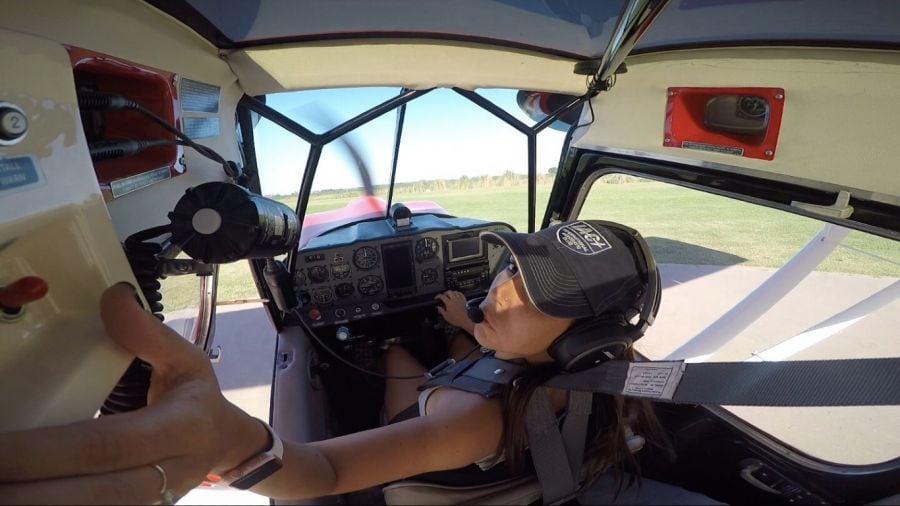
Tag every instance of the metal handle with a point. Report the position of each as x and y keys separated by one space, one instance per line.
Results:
x=747 y=475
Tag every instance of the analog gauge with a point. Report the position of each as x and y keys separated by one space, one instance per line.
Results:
x=318 y=273
x=340 y=270
x=300 y=278
x=365 y=258
x=429 y=276
x=426 y=249
x=370 y=285
x=344 y=290
x=323 y=295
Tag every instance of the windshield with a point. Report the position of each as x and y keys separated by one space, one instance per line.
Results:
x=454 y=156
x=282 y=155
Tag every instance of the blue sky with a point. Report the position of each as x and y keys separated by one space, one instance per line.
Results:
x=445 y=136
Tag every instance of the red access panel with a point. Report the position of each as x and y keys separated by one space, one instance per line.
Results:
x=736 y=121
x=156 y=91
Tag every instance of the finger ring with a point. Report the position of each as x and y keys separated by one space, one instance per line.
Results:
x=166 y=494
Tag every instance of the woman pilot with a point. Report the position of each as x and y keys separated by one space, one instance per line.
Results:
x=560 y=279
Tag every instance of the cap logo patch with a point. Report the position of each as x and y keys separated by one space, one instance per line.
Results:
x=582 y=238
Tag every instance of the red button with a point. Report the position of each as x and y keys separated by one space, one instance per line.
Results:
x=315 y=315
x=23 y=291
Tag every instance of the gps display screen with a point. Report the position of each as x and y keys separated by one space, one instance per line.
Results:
x=461 y=249
x=399 y=268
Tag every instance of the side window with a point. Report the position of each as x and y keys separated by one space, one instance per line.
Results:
x=183 y=296
x=714 y=251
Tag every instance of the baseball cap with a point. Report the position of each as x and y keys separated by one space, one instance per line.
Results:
x=581 y=269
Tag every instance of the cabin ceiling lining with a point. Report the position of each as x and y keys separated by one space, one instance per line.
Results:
x=415 y=64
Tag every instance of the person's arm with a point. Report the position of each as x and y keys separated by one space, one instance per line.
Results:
x=464 y=429
x=189 y=429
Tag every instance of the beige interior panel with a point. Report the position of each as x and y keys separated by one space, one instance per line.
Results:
x=56 y=364
x=414 y=64
x=840 y=122
x=134 y=31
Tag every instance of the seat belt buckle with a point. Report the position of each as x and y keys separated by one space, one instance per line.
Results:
x=434 y=371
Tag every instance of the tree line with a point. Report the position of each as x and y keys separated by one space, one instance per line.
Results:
x=508 y=179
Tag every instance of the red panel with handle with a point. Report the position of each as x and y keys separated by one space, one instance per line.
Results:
x=738 y=121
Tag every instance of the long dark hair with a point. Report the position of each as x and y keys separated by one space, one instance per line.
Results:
x=606 y=446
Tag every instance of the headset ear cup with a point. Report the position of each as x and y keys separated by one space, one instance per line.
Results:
x=591 y=343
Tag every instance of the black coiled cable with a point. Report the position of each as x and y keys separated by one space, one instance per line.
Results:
x=130 y=393
x=142 y=256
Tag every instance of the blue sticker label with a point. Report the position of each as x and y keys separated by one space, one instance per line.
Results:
x=18 y=172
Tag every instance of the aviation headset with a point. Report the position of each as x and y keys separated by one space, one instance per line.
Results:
x=594 y=339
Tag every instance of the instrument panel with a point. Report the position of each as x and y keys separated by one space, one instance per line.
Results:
x=372 y=268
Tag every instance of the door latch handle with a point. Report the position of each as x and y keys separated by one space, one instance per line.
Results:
x=215 y=354
x=747 y=471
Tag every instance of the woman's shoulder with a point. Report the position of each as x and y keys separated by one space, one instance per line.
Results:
x=442 y=399
x=446 y=401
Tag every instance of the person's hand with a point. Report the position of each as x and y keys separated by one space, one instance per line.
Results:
x=188 y=428
x=454 y=310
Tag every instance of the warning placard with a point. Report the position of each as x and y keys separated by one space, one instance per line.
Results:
x=656 y=380
x=18 y=172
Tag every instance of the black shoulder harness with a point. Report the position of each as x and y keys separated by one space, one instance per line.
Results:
x=486 y=376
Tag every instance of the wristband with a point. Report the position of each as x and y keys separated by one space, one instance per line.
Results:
x=258 y=467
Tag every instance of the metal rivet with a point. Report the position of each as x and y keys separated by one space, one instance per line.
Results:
x=668 y=141
x=672 y=93
x=779 y=96
x=769 y=152
x=498 y=371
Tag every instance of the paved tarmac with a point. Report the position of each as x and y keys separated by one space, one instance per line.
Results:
x=244 y=371
x=694 y=296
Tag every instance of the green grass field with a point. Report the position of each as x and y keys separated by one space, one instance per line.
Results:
x=682 y=226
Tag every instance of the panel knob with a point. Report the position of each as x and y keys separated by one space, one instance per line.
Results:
x=13 y=123
x=18 y=293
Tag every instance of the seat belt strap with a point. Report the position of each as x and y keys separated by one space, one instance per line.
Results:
x=557 y=456
x=575 y=429
x=851 y=382
x=548 y=452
